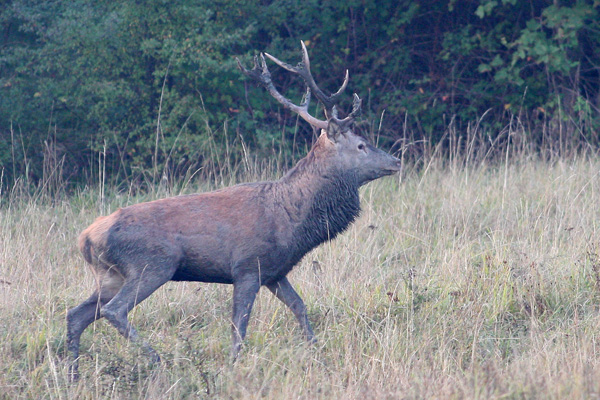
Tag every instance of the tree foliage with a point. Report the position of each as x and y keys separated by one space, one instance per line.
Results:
x=155 y=82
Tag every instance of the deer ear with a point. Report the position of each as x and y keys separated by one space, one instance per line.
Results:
x=334 y=130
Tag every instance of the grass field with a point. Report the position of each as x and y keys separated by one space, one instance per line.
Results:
x=479 y=281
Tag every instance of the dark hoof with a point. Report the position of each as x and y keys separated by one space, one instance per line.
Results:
x=73 y=372
x=151 y=354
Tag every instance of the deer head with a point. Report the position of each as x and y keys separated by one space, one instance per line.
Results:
x=352 y=152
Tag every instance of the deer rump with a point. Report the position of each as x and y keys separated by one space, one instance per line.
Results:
x=249 y=235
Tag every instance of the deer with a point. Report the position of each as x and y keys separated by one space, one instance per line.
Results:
x=248 y=235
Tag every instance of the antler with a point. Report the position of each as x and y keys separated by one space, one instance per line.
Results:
x=356 y=103
x=303 y=70
x=261 y=74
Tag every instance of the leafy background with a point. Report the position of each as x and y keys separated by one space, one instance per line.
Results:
x=149 y=88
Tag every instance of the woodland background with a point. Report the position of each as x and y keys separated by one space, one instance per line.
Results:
x=472 y=274
x=136 y=90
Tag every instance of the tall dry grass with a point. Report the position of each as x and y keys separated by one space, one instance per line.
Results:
x=461 y=279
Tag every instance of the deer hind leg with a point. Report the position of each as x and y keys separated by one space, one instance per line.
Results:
x=286 y=293
x=136 y=288
x=80 y=317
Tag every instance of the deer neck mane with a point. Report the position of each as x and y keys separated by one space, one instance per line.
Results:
x=323 y=201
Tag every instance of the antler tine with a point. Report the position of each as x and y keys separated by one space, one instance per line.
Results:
x=306 y=101
x=305 y=58
x=285 y=65
x=261 y=74
x=303 y=69
x=334 y=112
x=356 y=104
x=318 y=92
x=343 y=87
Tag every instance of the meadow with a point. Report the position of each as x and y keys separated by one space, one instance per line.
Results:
x=461 y=279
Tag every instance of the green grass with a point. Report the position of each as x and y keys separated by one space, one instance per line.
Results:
x=456 y=282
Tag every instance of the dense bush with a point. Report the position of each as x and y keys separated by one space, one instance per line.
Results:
x=153 y=86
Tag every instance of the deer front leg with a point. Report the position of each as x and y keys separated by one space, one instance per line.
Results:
x=244 y=293
x=286 y=293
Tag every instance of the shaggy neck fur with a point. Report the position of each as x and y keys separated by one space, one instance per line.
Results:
x=325 y=201
x=334 y=207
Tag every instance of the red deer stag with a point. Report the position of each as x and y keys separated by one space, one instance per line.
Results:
x=247 y=235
